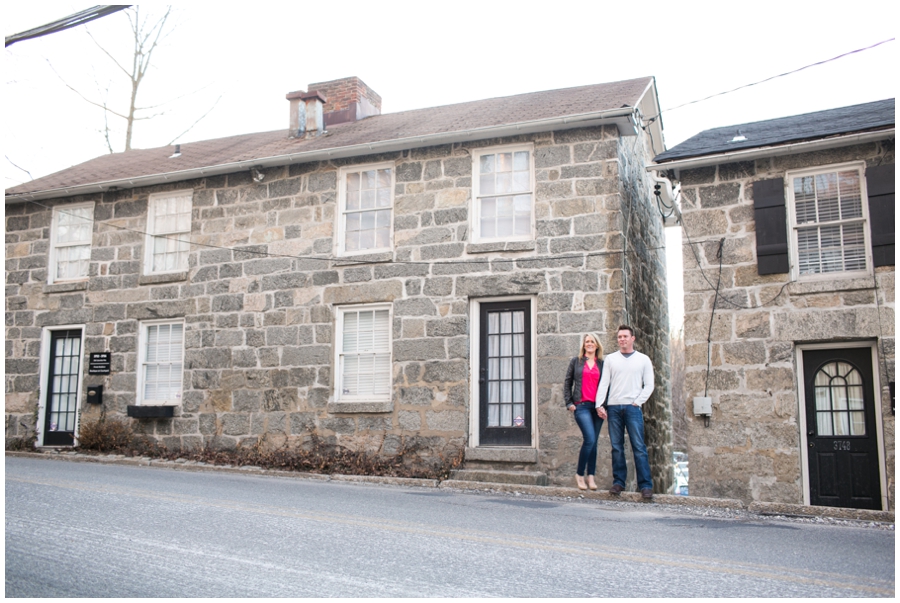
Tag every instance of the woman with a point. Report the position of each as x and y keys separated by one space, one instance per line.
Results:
x=580 y=392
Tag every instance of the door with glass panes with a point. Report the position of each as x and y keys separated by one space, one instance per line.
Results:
x=842 y=437
x=63 y=379
x=505 y=374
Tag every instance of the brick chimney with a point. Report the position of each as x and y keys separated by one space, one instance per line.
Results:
x=307 y=109
x=349 y=99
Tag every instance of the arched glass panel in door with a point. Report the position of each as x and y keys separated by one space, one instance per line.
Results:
x=840 y=408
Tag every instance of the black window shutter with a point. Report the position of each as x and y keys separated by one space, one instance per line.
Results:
x=880 y=186
x=771 y=227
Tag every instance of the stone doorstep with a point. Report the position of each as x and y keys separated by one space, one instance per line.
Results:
x=493 y=476
x=762 y=508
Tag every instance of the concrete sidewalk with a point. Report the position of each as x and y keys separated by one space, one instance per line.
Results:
x=761 y=508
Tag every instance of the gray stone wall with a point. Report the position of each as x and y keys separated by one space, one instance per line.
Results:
x=751 y=449
x=259 y=297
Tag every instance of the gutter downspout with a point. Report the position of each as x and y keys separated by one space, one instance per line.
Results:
x=397 y=144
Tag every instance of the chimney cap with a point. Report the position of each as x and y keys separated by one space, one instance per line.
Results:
x=314 y=94
x=306 y=95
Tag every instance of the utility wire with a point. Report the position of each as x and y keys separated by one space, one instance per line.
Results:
x=840 y=56
x=79 y=18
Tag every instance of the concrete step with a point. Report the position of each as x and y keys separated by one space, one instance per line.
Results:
x=527 y=478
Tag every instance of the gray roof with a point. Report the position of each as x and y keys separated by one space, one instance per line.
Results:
x=796 y=128
x=406 y=129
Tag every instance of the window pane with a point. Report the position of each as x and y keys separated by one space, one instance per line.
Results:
x=384 y=178
x=486 y=184
x=520 y=162
x=851 y=196
x=493 y=415
x=857 y=424
x=505 y=415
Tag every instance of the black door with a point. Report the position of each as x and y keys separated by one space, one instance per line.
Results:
x=62 y=388
x=840 y=428
x=505 y=374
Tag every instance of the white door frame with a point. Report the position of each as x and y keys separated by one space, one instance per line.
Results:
x=801 y=409
x=475 y=359
x=46 y=333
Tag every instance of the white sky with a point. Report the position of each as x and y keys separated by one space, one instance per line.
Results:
x=422 y=54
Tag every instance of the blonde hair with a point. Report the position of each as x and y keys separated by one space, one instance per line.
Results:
x=598 y=353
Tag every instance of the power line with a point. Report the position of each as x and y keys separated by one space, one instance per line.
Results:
x=840 y=56
x=79 y=18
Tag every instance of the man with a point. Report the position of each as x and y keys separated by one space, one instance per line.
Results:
x=628 y=378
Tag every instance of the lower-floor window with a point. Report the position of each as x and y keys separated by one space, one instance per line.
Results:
x=161 y=362
x=363 y=353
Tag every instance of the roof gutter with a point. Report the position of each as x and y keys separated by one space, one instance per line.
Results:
x=621 y=117
x=771 y=151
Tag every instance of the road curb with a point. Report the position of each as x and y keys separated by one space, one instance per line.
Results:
x=769 y=508
x=760 y=508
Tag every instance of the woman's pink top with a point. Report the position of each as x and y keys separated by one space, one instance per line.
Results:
x=590 y=379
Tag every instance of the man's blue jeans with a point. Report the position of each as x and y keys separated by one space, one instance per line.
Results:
x=590 y=424
x=622 y=417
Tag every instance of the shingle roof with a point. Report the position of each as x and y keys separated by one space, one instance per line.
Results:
x=448 y=119
x=809 y=126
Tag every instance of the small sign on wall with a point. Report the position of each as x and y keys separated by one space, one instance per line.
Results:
x=99 y=363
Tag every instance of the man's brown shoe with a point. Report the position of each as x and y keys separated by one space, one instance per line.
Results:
x=647 y=494
x=616 y=489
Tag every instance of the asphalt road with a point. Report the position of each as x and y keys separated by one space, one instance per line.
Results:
x=90 y=530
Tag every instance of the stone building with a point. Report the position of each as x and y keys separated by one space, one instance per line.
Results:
x=789 y=307
x=373 y=279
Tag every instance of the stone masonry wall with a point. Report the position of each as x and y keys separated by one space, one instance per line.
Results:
x=259 y=297
x=646 y=305
x=751 y=449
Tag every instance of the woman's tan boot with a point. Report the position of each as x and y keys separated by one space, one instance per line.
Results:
x=591 y=483
x=580 y=481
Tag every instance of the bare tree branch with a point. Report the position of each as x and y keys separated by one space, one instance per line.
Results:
x=147 y=34
x=83 y=97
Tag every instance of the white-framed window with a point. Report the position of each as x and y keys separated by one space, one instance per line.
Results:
x=70 y=242
x=160 y=362
x=365 y=221
x=363 y=354
x=503 y=193
x=168 y=232
x=828 y=211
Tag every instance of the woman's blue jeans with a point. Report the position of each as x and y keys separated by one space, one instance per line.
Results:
x=631 y=418
x=590 y=424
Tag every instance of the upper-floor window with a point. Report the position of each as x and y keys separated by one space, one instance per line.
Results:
x=168 y=232
x=161 y=362
x=365 y=219
x=828 y=212
x=70 y=242
x=503 y=186
x=363 y=351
